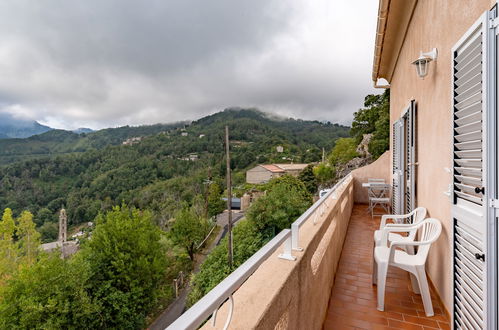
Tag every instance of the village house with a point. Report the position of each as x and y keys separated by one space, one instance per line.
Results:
x=132 y=140
x=264 y=172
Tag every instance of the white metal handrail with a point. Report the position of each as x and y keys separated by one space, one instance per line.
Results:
x=318 y=206
x=211 y=302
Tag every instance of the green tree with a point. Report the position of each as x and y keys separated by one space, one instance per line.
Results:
x=8 y=251
x=380 y=141
x=44 y=215
x=188 y=230
x=128 y=264
x=344 y=150
x=308 y=178
x=52 y=294
x=375 y=119
x=324 y=173
x=216 y=204
x=28 y=238
x=285 y=200
x=247 y=241
x=49 y=232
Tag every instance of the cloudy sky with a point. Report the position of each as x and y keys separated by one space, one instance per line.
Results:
x=105 y=63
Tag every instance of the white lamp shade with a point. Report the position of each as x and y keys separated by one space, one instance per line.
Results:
x=421 y=67
x=423 y=62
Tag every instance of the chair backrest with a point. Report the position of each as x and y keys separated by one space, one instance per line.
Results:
x=376 y=180
x=418 y=215
x=430 y=230
x=378 y=189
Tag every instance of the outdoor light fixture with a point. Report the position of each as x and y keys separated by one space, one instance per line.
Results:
x=422 y=63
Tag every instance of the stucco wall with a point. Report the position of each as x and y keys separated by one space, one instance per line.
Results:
x=380 y=169
x=440 y=24
x=284 y=294
x=259 y=175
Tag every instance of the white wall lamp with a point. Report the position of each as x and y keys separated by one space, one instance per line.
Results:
x=423 y=62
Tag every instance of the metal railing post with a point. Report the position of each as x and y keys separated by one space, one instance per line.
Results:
x=295 y=232
x=287 y=251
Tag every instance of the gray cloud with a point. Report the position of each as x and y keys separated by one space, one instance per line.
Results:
x=108 y=63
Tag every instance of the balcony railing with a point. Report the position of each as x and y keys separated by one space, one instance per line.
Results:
x=317 y=210
x=315 y=240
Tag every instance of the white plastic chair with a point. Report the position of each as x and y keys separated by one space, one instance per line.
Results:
x=385 y=256
x=400 y=221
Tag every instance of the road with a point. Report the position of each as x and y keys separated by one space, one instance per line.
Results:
x=177 y=307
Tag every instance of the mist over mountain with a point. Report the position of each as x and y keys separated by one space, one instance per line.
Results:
x=11 y=127
x=83 y=130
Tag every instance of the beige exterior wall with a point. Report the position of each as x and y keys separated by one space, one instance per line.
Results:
x=284 y=294
x=260 y=175
x=380 y=169
x=440 y=24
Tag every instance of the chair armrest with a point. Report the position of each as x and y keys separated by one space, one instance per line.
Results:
x=397 y=225
x=395 y=229
x=413 y=243
x=394 y=245
x=392 y=216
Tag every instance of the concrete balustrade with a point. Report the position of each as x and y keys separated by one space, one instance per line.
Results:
x=284 y=294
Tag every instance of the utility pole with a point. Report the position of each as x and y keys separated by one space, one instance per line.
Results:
x=206 y=194
x=229 y=197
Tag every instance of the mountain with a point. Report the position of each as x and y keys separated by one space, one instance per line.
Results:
x=57 y=142
x=82 y=130
x=155 y=169
x=11 y=127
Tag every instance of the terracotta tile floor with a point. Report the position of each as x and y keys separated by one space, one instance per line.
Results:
x=353 y=299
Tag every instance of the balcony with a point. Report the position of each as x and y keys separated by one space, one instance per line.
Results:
x=315 y=275
x=352 y=304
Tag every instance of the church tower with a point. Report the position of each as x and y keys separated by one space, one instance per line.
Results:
x=63 y=226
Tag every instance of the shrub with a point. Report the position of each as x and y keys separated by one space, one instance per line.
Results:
x=344 y=150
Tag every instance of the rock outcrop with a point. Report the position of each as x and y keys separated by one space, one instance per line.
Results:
x=364 y=158
x=363 y=147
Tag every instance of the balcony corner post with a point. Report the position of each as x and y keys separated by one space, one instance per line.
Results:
x=287 y=251
x=295 y=231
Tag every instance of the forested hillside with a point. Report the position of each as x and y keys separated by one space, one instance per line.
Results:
x=57 y=142
x=153 y=173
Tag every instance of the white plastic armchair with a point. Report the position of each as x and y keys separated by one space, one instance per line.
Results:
x=391 y=255
x=400 y=221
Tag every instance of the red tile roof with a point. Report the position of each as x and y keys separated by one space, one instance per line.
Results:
x=273 y=168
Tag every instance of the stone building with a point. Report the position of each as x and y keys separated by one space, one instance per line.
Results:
x=263 y=173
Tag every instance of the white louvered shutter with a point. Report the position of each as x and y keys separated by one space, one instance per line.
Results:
x=410 y=158
x=397 y=177
x=470 y=191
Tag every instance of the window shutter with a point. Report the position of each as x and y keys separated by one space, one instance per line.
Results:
x=410 y=160
x=471 y=84
x=397 y=177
